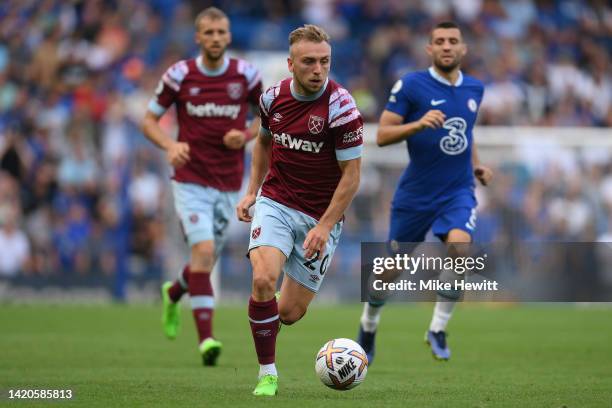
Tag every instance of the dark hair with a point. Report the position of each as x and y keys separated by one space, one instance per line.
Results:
x=444 y=24
x=447 y=24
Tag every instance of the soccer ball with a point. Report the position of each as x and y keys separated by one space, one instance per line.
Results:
x=341 y=364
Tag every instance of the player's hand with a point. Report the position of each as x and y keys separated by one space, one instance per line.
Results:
x=242 y=209
x=178 y=154
x=483 y=174
x=315 y=241
x=234 y=139
x=433 y=119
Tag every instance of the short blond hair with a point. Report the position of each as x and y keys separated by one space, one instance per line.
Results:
x=210 y=12
x=308 y=32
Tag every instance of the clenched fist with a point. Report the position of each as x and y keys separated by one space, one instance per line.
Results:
x=178 y=154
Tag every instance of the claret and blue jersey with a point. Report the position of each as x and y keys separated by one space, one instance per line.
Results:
x=439 y=178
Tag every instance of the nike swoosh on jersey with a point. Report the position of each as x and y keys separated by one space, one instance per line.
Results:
x=437 y=102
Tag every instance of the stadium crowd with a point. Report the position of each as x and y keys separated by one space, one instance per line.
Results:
x=82 y=192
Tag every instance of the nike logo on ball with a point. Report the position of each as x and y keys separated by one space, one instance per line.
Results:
x=438 y=102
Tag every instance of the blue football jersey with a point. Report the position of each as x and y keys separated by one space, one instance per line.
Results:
x=440 y=165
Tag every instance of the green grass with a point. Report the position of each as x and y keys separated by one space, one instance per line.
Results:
x=538 y=356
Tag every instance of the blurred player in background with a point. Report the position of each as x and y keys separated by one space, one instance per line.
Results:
x=309 y=145
x=212 y=94
x=434 y=112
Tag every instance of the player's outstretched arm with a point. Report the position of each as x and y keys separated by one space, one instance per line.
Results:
x=483 y=173
x=343 y=195
x=177 y=153
x=391 y=128
x=259 y=168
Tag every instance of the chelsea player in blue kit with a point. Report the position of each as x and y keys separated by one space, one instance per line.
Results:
x=434 y=112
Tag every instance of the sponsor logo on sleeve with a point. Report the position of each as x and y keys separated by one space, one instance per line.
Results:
x=353 y=136
x=397 y=86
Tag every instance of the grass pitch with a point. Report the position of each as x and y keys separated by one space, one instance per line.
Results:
x=528 y=356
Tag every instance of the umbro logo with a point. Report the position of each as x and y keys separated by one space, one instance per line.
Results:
x=314 y=278
x=435 y=102
x=277 y=117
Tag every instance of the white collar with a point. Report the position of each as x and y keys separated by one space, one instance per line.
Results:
x=443 y=80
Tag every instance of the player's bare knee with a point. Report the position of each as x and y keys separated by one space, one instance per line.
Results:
x=204 y=249
x=264 y=285
x=290 y=315
x=203 y=255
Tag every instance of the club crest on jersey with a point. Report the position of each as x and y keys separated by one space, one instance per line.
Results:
x=315 y=124
x=234 y=90
x=472 y=105
x=256 y=232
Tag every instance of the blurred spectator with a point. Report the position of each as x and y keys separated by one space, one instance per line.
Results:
x=71 y=238
x=14 y=245
x=78 y=168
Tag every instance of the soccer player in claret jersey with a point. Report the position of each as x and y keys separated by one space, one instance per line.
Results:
x=434 y=112
x=309 y=145
x=212 y=94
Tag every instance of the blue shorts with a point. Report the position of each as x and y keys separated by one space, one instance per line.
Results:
x=284 y=228
x=412 y=225
x=204 y=212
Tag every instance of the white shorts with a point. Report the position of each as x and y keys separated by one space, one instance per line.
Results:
x=284 y=228
x=204 y=212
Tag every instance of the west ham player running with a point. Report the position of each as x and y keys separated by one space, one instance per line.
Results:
x=434 y=112
x=309 y=145
x=212 y=94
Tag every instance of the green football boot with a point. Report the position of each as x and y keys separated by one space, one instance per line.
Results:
x=171 y=314
x=210 y=350
x=267 y=386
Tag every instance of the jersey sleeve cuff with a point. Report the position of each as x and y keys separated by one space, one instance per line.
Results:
x=350 y=153
x=394 y=109
x=156 y=108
